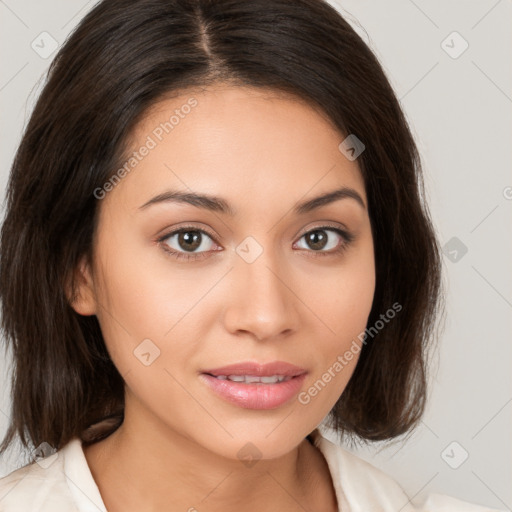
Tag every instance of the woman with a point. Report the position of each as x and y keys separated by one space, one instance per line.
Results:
x=215 y=240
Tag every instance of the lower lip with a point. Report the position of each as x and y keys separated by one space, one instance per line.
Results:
x=255 y=396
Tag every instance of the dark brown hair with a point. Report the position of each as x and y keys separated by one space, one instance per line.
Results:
x=121 y=59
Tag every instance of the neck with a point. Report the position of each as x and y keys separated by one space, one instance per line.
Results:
x=169 y=471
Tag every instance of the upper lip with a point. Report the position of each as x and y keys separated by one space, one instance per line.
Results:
x=258 y=370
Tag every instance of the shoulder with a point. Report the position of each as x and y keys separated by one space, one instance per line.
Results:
x=40 y=486
x=362 y=486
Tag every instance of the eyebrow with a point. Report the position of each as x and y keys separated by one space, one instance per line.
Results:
x=220 y=205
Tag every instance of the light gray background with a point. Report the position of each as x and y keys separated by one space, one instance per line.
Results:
x=460 y=111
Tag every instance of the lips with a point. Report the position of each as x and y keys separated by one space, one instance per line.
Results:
x=275 y=368
x=254 y=379
x=255 y=386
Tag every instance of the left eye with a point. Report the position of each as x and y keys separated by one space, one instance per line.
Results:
x=318 y=240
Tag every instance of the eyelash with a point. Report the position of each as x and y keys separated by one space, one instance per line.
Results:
x=348 y=237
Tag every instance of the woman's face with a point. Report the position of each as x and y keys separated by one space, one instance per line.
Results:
x=252 y=279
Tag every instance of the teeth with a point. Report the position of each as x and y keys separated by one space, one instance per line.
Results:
x=252 y=379
x=236 y=378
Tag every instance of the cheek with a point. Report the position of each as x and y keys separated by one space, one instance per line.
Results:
x=352 y=297
x=344 y=304
x=343 y=296
x=142 y=297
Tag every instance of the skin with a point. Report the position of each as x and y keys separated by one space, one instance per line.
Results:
x=177 y=449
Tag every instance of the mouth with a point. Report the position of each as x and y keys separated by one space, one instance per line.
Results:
x=253 y=379
x=256 y=386
x=253 y=370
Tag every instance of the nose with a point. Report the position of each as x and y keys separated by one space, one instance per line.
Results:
x=261 y=300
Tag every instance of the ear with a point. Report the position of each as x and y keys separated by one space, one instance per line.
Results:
x=80 y=290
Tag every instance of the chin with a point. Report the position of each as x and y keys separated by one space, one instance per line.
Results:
x=252 y=441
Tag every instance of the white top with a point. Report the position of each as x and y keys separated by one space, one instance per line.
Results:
x=62 y=482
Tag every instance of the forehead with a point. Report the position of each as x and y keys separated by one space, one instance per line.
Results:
x=255 y=146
